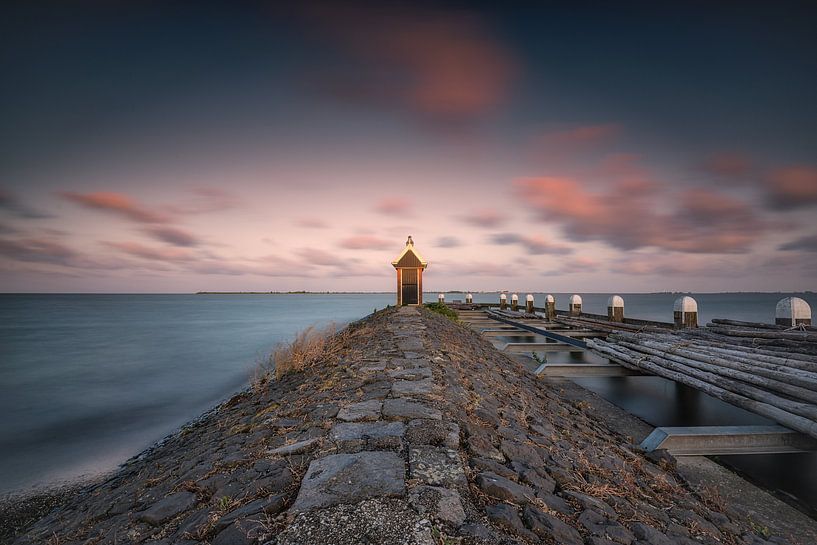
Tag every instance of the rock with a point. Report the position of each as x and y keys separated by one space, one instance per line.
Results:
x=412 y=387
x=484 y=464
x=349 y=478
x=589 y=502
x=649 y=534
x=403 y=408
x=365 y=410
x=440 y=503
x=505 y=516
x=504 y=489
x=296 y=448
x=414 y=373
x=516 y=451
x=436 y=466
x=433 y=432
x=357 y=436
x=477 y=532
x=482 y=447
x=193 y=522
x=167 y=508
x=556 y=503
x=245 y=533
x=273 y=504
x=532 y=477
x=547 y=526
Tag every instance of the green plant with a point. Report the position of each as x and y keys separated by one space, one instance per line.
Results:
x=442 y=308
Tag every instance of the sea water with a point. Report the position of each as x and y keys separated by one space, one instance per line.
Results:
x=86 y=381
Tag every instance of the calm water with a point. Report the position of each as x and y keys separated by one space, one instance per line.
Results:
x=87 y=381
x=662 y=402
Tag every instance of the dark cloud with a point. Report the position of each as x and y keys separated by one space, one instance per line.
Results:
x=173 y=235
x=806 y=244
x=447 y=242
x=12 y=205
x=153 y=253
x=38 y=250
x=532 y=244
x=205 y=200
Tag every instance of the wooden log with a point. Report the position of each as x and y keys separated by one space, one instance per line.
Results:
x=795 y=407
x=769 y=362
x=779 y=345
x=793 y=367
x=805 y=390
x=793 y=421
x=700 y=336
x=803 y=336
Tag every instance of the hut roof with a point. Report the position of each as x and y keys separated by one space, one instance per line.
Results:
x=409 y=258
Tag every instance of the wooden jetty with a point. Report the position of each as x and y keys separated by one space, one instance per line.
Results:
x=768 y=369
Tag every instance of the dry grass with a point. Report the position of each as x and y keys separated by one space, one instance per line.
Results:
x=307 y=348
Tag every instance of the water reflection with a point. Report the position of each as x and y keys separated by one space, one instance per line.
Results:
x=662 y=402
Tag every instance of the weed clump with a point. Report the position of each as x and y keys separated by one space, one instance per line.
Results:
x=442 y=308
x=307 y=348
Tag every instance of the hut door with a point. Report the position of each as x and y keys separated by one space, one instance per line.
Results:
x=409 y=294
x=410 y=287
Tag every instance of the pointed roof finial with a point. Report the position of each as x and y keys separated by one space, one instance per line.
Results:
x=409 y=242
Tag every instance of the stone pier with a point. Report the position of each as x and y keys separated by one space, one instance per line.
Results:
x=408 y=429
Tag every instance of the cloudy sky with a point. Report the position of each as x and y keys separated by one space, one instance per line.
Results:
x=150 y=146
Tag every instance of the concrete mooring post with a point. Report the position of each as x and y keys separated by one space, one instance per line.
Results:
x=574 y=306
x=469 y=298
x=529 y=303
x=615 y=309
x=503 y=301
x=441 y=298
x=550 y=307
x=514 y=302
x=792 y=311
x=685 y=312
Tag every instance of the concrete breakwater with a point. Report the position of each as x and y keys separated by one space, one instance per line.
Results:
x=416 y=431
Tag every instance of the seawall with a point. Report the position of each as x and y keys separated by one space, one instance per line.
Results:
x=412 y=429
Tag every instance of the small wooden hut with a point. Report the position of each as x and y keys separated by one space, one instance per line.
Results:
x=410 y=266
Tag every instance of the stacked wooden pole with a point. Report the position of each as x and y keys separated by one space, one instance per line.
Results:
x=766 y=369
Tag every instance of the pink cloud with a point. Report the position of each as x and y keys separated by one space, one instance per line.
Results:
x=792 y=187
x=311 y=223
x=728 y=165
x=484 y=217
x=393 y=205
x=367 y=242
x=445 y=66
x=634 y=214
x=579 y=137
x=119 y=204
x=320 y=257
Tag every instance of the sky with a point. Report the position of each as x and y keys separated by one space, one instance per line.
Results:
x=156 y=146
